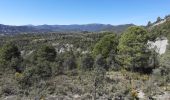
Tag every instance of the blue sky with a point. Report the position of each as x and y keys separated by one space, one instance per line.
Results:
x=22 y=12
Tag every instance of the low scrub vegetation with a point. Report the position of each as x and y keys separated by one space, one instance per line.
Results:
x=82 y=66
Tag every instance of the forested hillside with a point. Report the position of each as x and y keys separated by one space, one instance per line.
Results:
x=86 y=65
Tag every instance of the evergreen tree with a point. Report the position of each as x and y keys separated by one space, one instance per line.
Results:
x=46 y=52
x=149 y=24
x=10 y=57
x=105 y=45
x=133 y=49
x=158 y=19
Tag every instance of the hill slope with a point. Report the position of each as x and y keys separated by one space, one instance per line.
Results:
x=160 y=29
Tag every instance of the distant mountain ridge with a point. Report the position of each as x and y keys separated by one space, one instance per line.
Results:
x=9 y=29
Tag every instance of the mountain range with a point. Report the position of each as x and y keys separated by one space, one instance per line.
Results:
x=10 y=30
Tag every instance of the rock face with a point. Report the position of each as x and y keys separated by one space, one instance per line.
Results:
x=10 y=98
x=161 y=22
x=165 y=96
x=141 y=95
x=160 y=45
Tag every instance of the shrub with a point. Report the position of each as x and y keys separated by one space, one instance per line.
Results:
x=9 y=51
x=105 y=45
x=45 y=52
x=100 y=62
x=134 y=94
x=70 y=63
x=36 y=73
x=10 y=57
x=87 y=62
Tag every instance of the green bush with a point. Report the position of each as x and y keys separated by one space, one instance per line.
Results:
x=87 y=62
x=100 y=62
x=45 y=52
x=105 y=45
x=34 y=74
x=10 y=57
x=9 y=51
x=70 y=62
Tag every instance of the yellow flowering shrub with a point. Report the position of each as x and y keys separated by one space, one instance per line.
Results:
x=18 y=75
